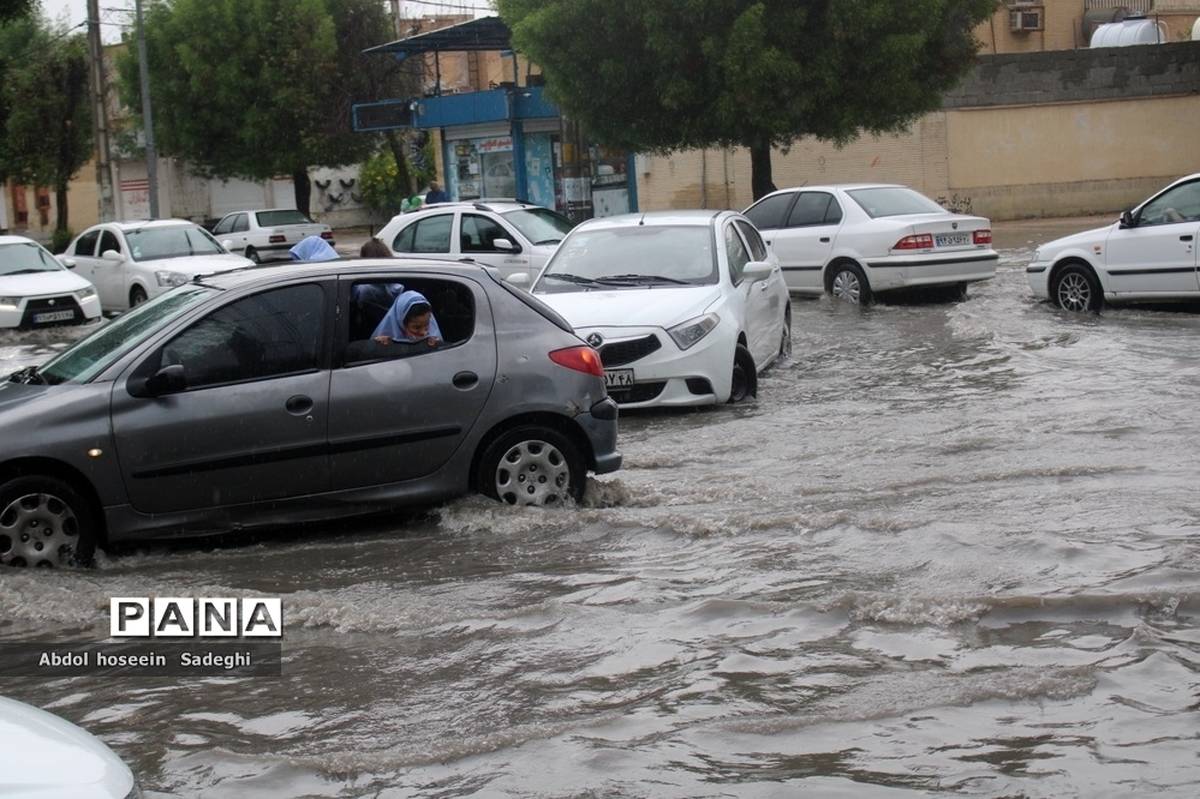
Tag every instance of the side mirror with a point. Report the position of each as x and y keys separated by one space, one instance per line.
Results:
x=69 y=263
x=112 y=255
x=167 y=380
x=504 y=245
x=1127 y=219
x=518 y=279
x=757 y=270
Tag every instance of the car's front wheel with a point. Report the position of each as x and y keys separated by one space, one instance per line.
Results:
x=1075 y=288
x=745 y=377
x=848 y=283
x=785 y=343
x=253 y=255
x=137 y=295
x=45 y=522
x=532 y=465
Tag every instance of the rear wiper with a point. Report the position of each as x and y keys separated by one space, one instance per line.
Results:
x=635 y=278
x=569 y=278
x=29 y=376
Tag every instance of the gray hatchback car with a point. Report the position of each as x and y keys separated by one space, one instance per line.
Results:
x=260 y=397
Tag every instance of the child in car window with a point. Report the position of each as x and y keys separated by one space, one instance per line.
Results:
x=409 y=320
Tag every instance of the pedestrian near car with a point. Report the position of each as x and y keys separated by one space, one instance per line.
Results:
x=313 y=248
x=435 y=194
x=374 y=248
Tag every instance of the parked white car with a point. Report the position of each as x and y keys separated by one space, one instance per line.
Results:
x=43 y=756
x=1148 y=254
x=268 y=234
x=857 y=240
x=131 y=262
x=508 y=235
x=684 y=307
x=35 y=289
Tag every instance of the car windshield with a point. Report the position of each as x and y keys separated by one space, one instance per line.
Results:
x=636 y=255
x=24 y=258
x=153 y=243
x=276 y=218
x=894 y=201
x=89 y=356
x=540 y=225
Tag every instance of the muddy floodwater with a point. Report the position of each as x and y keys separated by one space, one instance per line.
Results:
x=952 y=548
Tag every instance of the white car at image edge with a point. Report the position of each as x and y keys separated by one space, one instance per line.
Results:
x=268 y=234
x=45 y=757
x=36 y=289
x=684 y=307
x=1148 y=254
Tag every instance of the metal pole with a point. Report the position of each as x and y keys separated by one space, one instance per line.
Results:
x=104 y=176
x=147 y=117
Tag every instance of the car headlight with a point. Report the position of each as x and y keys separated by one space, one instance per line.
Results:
x=83 y=294
x=165 y=278
x=688 y=333
x=11 y=301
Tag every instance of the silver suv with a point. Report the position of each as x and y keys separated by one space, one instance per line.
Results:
x=262 y=397
x=506 y=234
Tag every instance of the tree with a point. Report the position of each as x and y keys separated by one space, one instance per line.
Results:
x=11 y=9
x=258 y=89
x=673 y=74
x=44 y=110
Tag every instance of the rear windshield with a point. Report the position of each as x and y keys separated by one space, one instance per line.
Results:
x=894 y=201
x=533 y=302
x=276 y=218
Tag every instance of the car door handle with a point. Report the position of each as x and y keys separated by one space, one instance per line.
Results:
x=824 y=239
x=1185 y=238
x=299 y=405
x=465 y=380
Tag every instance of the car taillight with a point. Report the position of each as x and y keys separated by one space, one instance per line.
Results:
x=923 y=241
x=983 y=237
x=581 y=359
x=278 y=239
x=326 y=234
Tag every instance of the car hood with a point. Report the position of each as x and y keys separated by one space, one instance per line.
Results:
x=60 y=281
x=198 y=264
x=635 y=307
x=1079 y=240
x=42 y=755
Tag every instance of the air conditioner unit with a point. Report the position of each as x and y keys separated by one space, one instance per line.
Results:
x=1026 y=20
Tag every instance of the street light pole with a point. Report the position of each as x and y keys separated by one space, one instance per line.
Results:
x=147 y=117
x=100 y=131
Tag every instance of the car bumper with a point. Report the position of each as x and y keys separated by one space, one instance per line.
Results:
x=1038 y=274
x=600 y=425
x=662 y=377
x=926 y=269
x=27 y=312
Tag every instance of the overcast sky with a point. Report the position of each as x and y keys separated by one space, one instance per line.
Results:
x=113 y=13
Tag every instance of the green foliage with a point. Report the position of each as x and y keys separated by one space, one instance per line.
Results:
x=11 y=9
x=61 y=238
x=382 y=184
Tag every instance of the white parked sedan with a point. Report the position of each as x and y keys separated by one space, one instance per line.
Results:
x=685 y=307
x=131 y=262
x=36 y=290
x=269 y=234
x=43 y=756
x=856 y=240
x=1148 y=254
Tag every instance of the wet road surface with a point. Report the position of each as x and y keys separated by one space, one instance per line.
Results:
x=951 y=549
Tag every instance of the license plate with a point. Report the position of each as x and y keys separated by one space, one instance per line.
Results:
x=53 y=316
x=618 y=378
x=953 y=239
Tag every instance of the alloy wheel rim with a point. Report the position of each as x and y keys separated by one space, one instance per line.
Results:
x=1074 y=292
x=846 y=286
x=533 y=473
x=38 y=530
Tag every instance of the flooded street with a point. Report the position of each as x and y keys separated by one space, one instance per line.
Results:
x=951 y=549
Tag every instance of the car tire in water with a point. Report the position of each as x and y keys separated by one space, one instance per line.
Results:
x=848 y=283
x=1075 y=288
x=958 y=292
x=45 y=522
x=532 y=465
x=137 y=295
x=252 y=254
x=745 y=377
x=785 y=343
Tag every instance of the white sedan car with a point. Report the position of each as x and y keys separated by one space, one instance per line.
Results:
x=684 y=307
x=269 y=234
x=36 y=290
x=856 y=240
x=43 y=756
x=1148 y=254
x=131 y=262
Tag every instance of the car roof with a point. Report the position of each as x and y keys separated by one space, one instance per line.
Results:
x=259 y=211
x=282 y=270
x=696 y=216
x=842 y=187
x=145 y=223
x=16 y=240
x=499 y=206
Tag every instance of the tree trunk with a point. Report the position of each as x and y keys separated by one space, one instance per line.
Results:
x=303 y=189
x=403 y=177
x=60 y=197
x=760 y=169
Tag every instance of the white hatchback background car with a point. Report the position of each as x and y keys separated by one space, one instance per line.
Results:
x=131 y=262
x=856 y=240
x=43 y=756
x=507 y=235
x=35 y=289
x=1148 y=254
x=268 y=234
x=685 y=307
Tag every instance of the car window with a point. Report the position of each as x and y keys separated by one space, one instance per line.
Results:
x=282 y=217
x=452 y=308
x=26 y=257
x=1180 y=204
x=431 y=234
x=109 y=241
x=177 y=241
x=894 y=201
x=269 y=334
x=540 y=225
x=810 y=209
x=86 y=244
x=224 y=226
x=478 y=234
x=769 y=213
x=240 y=224
x=404 y=239
x=632 y=256
x=833 y=214
x=736 y=253
x=757 y=248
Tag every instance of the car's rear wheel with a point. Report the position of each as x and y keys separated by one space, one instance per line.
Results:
x=958 y=292
x=848 y=283
x=745 y=377
x=253 y=255
x=785 y=344
x=44 y=522
x=532 y=465
x=1075 y=288
x=137 y=295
